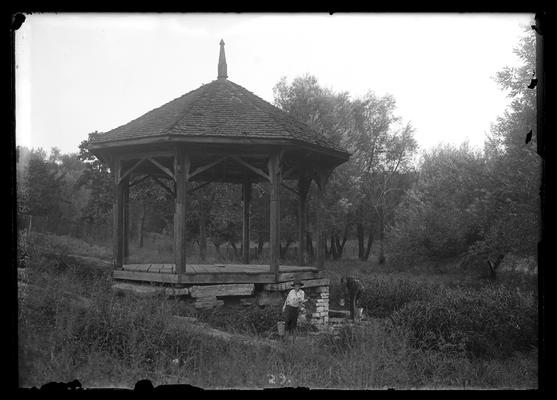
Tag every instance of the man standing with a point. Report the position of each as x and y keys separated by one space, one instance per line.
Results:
x=352 y=289
x=294 y=301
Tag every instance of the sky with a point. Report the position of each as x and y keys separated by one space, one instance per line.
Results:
x=79 y=73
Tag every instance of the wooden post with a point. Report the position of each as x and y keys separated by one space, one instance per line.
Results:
x=181 y=170
x=246 y=194
x=322 y=177
x=274 y=217
x=117 y=215
x=126 y=217
x=303 y=187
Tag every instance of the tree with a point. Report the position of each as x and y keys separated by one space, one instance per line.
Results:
x=44 y=182
x=95 y=178
x=483 y=206
x=383 y=148
x=439 y=217
x=511 y=214
x=329 y=113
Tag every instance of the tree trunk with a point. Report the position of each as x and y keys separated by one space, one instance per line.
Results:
x=309 y=243
x=360 y=231
x=260 y=243
x=340 y=246
x=332 y=253
x=369 y=243
x=493 y=266
x=381 y=237
x=235 y=250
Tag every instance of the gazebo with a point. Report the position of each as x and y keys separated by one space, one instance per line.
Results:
x=219 y=132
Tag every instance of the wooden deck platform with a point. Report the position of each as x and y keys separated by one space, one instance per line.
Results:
x=213 y=273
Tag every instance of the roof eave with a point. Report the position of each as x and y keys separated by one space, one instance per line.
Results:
x=102 y=146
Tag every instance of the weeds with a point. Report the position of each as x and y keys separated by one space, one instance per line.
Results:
x=432 y=340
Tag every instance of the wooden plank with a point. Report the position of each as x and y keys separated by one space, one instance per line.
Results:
x=163 y=185
x=145 y=276
x=203 y=168
x=180 y=240
x=225 y=278
x=284 y=185
x=129 y=171
x=161 y=167
x=125 y=219
x=143 y=267
x=288 y=285
x=154 y=268
x=274 y=217
x=136 y=289
x=241 y=289
x=168 y=269
x=117 y=215
x=195 y=189
x=135 y=182
x=299 y=275
x=252 y=168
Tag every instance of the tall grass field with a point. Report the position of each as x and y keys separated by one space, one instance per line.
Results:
x=423 y=329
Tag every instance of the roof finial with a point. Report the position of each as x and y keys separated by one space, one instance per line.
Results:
x=222 y=62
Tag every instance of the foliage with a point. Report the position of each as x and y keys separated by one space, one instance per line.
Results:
x=253 y=319
x=96 y=178
x=384 y=295
x=490 y=322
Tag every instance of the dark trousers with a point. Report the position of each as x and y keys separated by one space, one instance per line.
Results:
x=291 y=318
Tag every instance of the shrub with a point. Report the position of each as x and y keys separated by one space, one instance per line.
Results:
x=491 y=322
x=384 y=295
x=346 y=339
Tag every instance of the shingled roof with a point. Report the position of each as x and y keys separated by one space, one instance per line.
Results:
x=220 y=108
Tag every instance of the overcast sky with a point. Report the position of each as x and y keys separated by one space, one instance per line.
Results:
x=79 y=73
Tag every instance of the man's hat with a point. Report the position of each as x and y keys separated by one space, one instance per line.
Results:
x=297 y=282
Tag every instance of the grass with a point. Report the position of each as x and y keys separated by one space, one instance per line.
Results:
x=117 y=340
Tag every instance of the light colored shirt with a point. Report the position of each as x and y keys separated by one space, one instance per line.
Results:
x=295 y=299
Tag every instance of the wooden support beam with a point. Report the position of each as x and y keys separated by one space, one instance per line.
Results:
x=130 y=170
x=163 y=185
x=206 y=167
x=246 y=195
x=181 y=168
x=287 y=173
x=252 y=168
x=161 y=167
x=274 y=221
x=135 y=182
x=303 y=188
x=289 y=188
x=117 y=215
x=195 y=189
x=126 y=217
